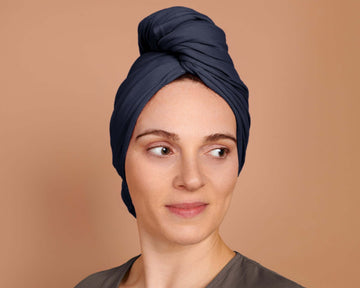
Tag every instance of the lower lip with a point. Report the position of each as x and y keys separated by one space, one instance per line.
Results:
x=187 y=212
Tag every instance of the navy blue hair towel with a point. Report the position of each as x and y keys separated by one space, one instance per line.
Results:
x=172 y=42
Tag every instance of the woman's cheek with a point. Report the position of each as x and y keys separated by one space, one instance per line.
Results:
x=151 y=174
x=220 y=168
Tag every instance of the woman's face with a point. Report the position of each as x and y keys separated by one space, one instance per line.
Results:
x=181 y=165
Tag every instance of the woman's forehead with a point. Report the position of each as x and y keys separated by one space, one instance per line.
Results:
x=187 y=105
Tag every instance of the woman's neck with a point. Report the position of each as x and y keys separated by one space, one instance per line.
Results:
x=169 y=265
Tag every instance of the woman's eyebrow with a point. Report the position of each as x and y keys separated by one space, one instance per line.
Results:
x=175 y=137
x=218 y=136
x=159 y=132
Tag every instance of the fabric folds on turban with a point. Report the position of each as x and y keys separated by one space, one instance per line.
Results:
x=172 y=42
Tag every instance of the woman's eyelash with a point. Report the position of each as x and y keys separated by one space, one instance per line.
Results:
x=220 y=152
x=160 y=150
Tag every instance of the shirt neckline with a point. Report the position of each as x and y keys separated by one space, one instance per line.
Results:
x=217 y=278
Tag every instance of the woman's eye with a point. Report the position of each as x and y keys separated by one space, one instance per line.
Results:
x=160 y=151
x=219 y=152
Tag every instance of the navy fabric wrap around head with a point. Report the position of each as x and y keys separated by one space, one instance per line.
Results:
x=173 y=42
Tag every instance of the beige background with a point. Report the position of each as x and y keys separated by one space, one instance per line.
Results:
x=295 y=208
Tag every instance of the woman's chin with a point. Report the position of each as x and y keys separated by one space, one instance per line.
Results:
x=171 y=229
x=186 y=235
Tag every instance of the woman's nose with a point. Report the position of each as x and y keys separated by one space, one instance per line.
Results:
x=189 y=176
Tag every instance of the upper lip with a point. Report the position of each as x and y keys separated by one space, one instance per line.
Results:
x=186 y=205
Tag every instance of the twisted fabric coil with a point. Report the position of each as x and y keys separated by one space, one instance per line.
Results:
x=172 y=42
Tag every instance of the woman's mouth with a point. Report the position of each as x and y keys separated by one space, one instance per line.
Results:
x=187 y=210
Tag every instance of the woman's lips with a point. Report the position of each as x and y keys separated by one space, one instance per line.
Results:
x=187 y=210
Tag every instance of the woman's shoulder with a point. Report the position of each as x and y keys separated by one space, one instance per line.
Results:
x=109 y=278
x=256 y=273
x=242 y=271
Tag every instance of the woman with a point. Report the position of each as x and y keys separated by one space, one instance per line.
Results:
x=179 y=133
